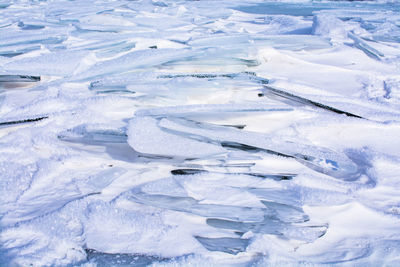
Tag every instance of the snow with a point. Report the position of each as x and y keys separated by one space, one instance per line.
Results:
x=176 y=133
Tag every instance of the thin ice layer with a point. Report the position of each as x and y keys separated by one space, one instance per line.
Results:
x=146 y=137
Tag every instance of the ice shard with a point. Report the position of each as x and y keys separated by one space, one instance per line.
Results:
x=120 y=259
x=367 y=49
x=96 y=136
x=18 y=78
x=22 y=121
x=268 y=90
x=224 y=244
x=193 y=206
x=133 y=60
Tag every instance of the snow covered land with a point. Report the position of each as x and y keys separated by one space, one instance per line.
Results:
x=201 y=133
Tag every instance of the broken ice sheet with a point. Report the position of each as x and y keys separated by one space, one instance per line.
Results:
x=178 y=86
x=378 y=21
x=367 y=49
x=191 y=205
x=218 y=54
x=133 y=60
x=290 y=196
x=307 y=233
x=172 y=194
x=208 y=137
x=319 y=159
x=100 y=139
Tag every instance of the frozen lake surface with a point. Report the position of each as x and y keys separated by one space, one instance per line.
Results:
x=201 y=133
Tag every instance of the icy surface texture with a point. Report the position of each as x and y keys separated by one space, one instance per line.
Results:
x=199 y=133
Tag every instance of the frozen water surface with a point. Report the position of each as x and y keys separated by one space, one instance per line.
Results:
x=203 y=133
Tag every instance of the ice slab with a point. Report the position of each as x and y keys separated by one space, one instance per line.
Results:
x=306 y=8
x=319 y=159
x=10 y=82
x=4 y=5
x=18 y=78
x=210 y=136
x=145 y=136
x=292 y=42
x=134 y=60
x=173 y=194
x=277 y=177
x=191 y=205
x=210 y=108
x=273 y=227
x=121 y=259
x=268 y=90
x=21 y=121
x=224 y=244
x=62 y=63
x=84 y=135
x=367 y=49
x=175 y=85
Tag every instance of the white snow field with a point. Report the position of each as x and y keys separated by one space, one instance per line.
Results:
x=199 y=133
